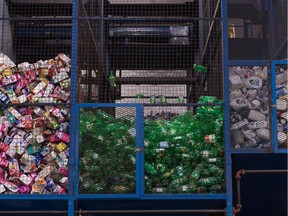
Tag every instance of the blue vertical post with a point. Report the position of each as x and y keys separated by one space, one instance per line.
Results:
x=139 y=147
x=273 y=105
x=140 y=151
x=228 y=162
x=73 y=100
x=71 y=206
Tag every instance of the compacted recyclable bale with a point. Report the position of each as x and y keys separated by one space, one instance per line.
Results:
x=34 y=137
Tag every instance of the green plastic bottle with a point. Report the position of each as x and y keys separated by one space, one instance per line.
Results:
x=112 y=80
x=195 y=175
x=149 y=168
x=152 y=99
x=181 y=99
x=199 y=68
x=207 y=181
x=162 y=99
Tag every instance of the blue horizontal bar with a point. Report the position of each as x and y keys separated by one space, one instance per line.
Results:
x=34 y=197
x=95 y=105
x=107 y=196
x=248 y=62
x=154 y=196
x=283 y=151
x=279 y=62
x=185 y=196
x=182 y=104
x=251 y=151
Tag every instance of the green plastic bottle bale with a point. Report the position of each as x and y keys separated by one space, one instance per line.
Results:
x=107 y=153
x=188 y=158
x=178 y=158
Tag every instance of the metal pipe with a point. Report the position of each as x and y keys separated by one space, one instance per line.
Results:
x=241 y=173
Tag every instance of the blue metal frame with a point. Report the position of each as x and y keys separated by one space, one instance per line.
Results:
x=73 y=100
x=228 y=160
x=274 y=110
x=140 y=193
x=248 y=63
x=139 y=154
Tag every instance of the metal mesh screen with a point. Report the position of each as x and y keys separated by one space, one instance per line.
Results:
x=107 y=148
x=130 y=51
x=279 y=40
x=281 y=105
x=257 y=29
x=179 y=155
x=35 y=95
x=250 y=107
x=248 y=30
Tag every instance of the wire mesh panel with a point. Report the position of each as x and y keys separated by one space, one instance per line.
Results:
x=132 y=50
x=257 y=29
x=250 y=107
x=281 y=105
x=279 y=24
x=184 y=152
x=248 y=30
x=107 y=151
x=35 y=96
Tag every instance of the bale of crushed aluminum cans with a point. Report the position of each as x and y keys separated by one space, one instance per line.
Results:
x=281 y=105
x=34 y=137
x=249 y=102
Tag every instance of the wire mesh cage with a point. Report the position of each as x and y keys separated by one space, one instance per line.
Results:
x=107 y=150
x=134 y=49
x=35 y=96
x=145 y=52
x=250 y=107
x=184 y=152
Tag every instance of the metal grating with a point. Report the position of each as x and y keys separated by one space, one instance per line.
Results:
x=107 y=146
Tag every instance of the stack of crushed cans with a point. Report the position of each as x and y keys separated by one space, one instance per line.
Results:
x=281 y=105
x=249 y=102
x=34 y=126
